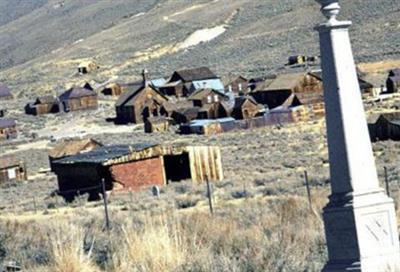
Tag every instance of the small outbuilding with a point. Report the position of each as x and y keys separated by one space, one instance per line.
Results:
x=138 y=104
x=86 y=67
x=185 y=115
x=5 y=92
x=78 y=98
x=136 y=167
x=43 y=105
x=8 y=129
x=112 y=89
x=12 y=169
x=157 y=124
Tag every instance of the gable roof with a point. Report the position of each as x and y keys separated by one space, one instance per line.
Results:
x=48 y=99
x=285 y=82
x=77 y=92
x=200 y=94
x=71 y=147
x=239 y=101
x=193 y=74
x=129 y=96
x=6 y=122
x=4 y=90
x=8 y=161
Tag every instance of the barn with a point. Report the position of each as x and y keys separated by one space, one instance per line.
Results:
x=78 y=98
x=5 y=92
x=8 y=129
x=136 y=167
x=138 y=104
x=12 y=169
x=43 y=105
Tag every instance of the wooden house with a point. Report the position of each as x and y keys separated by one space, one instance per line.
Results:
x=138 y=104
x=307 y=88
x=70 y=147
x=157 y=124
x=203 y=97
x=8 y=129
x=78 y=98
x=43 y=105
x=239 y=85
x=185 y=115
x=12 y=169
x=393 y=81
x=184 y=82
x=136 y=167
x=5 y=92
x=246 y=108
x=86 y=67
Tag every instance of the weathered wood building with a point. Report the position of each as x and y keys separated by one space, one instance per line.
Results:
x=239 y=85
x=136 y=167
x=12 y=169
x=8 y=129
x=70 y=147
x=203 y=97
x=43 y=105
x=184 y=82
x=78 y=98
x=246 y=108
x=86 y=67
x=5 y=92
x=157 y=124
x=138 y=104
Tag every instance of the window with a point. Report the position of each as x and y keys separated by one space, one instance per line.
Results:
x=11 y=173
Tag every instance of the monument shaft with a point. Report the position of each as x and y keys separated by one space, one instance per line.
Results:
x=360 y=220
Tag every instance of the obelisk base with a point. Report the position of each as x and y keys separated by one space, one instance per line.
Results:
x=361 y=233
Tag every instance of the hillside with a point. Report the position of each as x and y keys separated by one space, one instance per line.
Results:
x=42 y=44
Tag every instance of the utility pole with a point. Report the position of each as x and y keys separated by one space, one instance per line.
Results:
x=103 y=186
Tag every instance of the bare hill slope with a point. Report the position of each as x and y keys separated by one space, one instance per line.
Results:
x=42 y=48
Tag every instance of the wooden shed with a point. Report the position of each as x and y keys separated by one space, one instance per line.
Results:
x=86 y=67
x=185 y=115
x=386 y=126
x=8 y=129
x=70 y=147
x=138 y=104
x=157 y=124
x=12 y=169
x=136 y=167
x=113 y=89
x=5 y=92
x=43 y=105
x=78 y=98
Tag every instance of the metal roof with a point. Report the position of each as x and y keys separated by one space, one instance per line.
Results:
x=5 y=123
x=105 y=153
x=215 y=84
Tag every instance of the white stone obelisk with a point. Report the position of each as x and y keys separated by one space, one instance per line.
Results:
x=360 y=220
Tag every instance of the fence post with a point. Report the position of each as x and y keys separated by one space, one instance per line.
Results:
x=308 y=190
x=386 y=181
x=103 y=186
x=209 y=195
x=34 y=204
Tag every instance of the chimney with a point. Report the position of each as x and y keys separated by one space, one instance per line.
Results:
x=145 y=75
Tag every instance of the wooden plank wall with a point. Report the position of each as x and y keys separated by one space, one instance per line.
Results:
x=205 y=161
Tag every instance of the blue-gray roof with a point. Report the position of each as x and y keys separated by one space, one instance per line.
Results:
x=105 y=153
x=215 y=84
x=158 y=82
x=203 y=122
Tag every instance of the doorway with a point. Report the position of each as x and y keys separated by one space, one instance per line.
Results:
x=177 y=167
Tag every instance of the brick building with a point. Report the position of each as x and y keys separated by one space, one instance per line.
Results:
x=135 y=167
